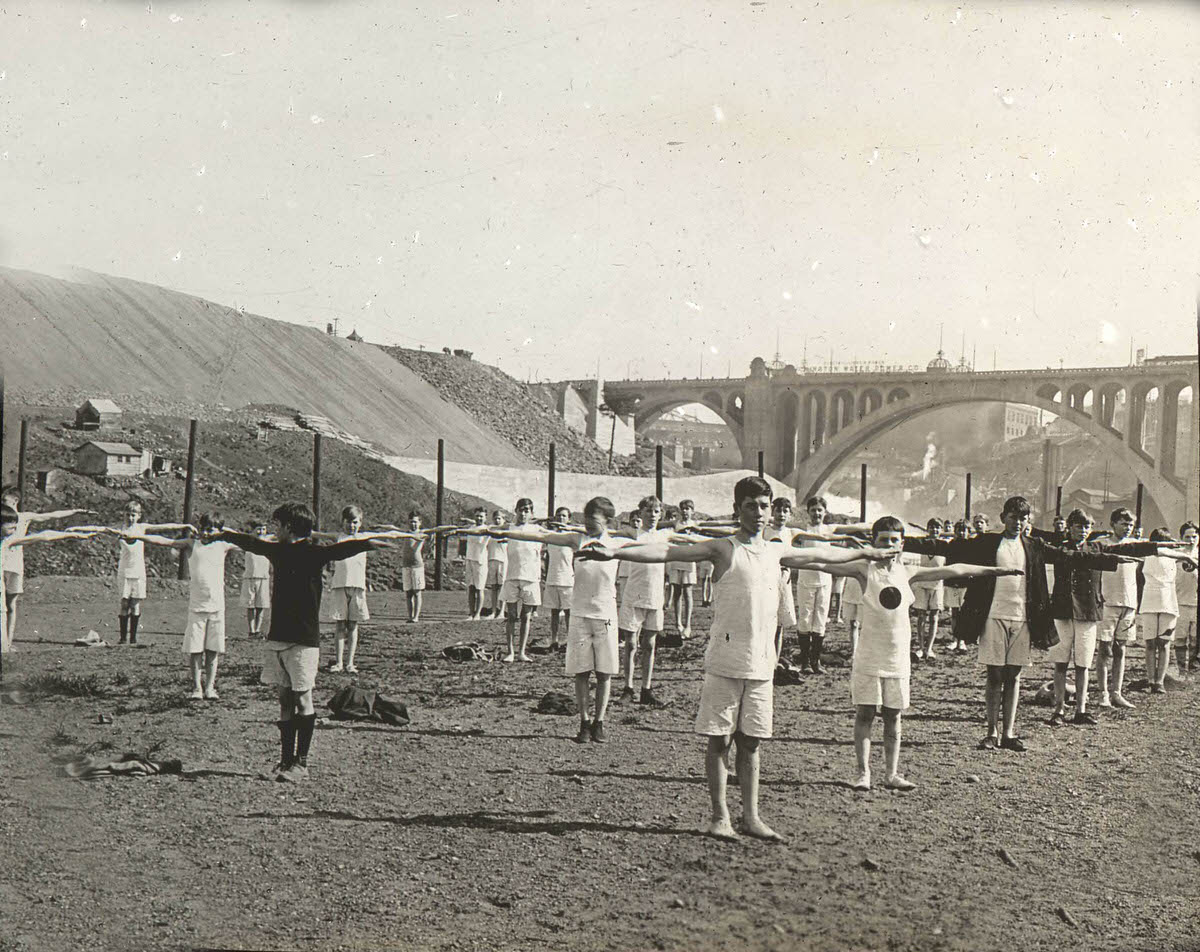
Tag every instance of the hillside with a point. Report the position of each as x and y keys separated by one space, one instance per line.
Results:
x=145 y=345
x=521 y=414
x=236 y=475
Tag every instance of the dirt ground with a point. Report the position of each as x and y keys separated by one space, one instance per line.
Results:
x=483 y=826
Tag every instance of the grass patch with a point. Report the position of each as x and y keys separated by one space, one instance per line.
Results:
x=60 y=738
x=64 y=685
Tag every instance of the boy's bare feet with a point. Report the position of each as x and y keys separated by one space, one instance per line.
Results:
x=896 y=782
x=862 y=781
x=720 y=828
x=525 y=657
x=760 y=831
x=509 y=658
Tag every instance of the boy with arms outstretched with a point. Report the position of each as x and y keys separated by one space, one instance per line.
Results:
x=294 y=640
x=880 y=670
x=204 y=633
x=560 y=577
x=737 y=698
x=14 y=556
x=256 y=582
x=1186 y=586
x=682 y=576
x=475 y=565
x=349 y=593
x=497 y=568
x=522 y=578
x=592 y=639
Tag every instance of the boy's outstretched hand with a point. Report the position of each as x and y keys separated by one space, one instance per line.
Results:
x=595 y=552
x=1000 y=572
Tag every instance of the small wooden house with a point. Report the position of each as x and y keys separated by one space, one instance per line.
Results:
x=95 y=458
x=96 y=412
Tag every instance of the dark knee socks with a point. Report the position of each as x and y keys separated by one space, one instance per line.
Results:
x=804 y=640
x=133 y=626
x=814 y=652
x=124 y=620
x=287 y=740
x=304 y=732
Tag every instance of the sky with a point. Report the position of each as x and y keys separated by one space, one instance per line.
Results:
x=636 y=188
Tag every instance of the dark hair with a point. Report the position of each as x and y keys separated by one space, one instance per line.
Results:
x=816 y=501
x=1120 y=513
x=933 y=526
x=1077 y=517
x=750 y=487
x=523 y=502
x=413 y=514
x=479 y=509
x=1187 y=525
x=8 y=514
x=9 y=491
x=211 y=520
x=1161 y=534
x=600 y=504
x=566 y=509
x=350 y=512
x=1016 y=505
x=296 y=517
x=648 y=502
x=886 y=524
x=780 y=502
x=687 y=502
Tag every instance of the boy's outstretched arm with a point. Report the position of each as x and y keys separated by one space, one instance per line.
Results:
x=166 y=526
x=57 y=514
x=856 y=569
x=934 y=574
x=247 y=542
x=833 y=555
x=652 y=552
x=50 y=535
x=540 y=535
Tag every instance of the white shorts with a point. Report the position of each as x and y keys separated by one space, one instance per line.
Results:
x=132 y=587
x=519 y=592
x=14 y=583
x=495 y=573
x=928 y=599
x=852 y=611
x=787 y=603
x=879 y=692
x=812 y=608
x=256 y=593
x=412 y=577
x=681 y=573
x=205 y=631
x=953 y=597
x=634 y=619
x=350 y=604
x=1004 y=642
x=290 y=666
x=1118 y=624
x=1076 y=643
x=475 y=573
x=704 y=570
x=1155 y=625
x=592 y=646
x=735 y=705
x=558 y=596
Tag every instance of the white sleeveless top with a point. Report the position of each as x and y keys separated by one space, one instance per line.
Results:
x=741 y=641
x=497 y=549
x=595 y=592
x=351 y=572
x=477 y=548
x=131 y=562
x=206 y=576
x=524 y=561
x=561 y=570
x=805 y=578
x=256 y=566
x=14 y=555
x=883 y=644
x=1158 y=595
x=645 y=581
x=1185 y=583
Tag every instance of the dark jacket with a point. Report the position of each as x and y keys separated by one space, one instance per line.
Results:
x=1077 y=587
x=977 y=603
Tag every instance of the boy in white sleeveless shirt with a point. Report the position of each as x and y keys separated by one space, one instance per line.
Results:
x=256 y=582
x=475 y=565
x=1186 y=578
x=497 y=555
x=880 y=671
x=349 y=595
x=592 y=639
x=521 y=592
x=204 y=634
x=737 y=698
x=560 y=578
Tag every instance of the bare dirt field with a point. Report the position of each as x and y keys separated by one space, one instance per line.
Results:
x=483 y=826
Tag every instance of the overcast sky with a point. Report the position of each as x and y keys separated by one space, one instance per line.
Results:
x=645 y=184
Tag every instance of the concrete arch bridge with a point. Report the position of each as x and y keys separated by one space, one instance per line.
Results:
x=808 y=424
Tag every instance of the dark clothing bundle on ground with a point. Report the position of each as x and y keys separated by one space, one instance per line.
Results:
x=296 y=591
x=85 y=767
x=553 y=702
x=355 y=704
x=468 y=651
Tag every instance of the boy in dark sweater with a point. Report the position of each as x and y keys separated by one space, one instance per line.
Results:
x=293 y=643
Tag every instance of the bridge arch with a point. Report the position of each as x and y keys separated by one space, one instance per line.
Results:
x=813 y=472
x=647 y=411
x=841 y=411
x=869 y=401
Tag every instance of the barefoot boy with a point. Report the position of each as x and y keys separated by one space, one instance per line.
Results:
x=1186 y=580
x=497 y=567
x=475 y=566
x=560 y=578
x=294 y=640
x=522 y=578
x=256 y=582
x=682 y=575
x=736 y=702
x=349 y=593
